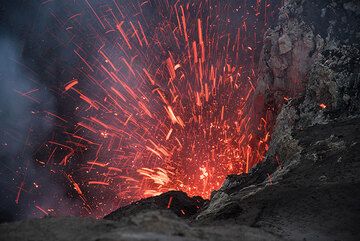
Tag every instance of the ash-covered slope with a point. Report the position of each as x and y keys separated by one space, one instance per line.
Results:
x=177 y=202
x=313 y=195
x=308 y=186
x=147 y=219
x=152 y=225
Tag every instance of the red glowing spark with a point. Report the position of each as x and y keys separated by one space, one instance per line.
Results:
x=56 y=116
x=19 y=192
x=322 y=106
x=41 y=209
x=169 y=203
x=71 y=84
x=98 y=183
x=76 y=186
x=27 y=94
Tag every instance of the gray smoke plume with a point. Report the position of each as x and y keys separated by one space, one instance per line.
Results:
x=25 y=100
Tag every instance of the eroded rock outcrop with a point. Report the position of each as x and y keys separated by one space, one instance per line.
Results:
x=306 y=32
x=307 y=185
x=177 y=202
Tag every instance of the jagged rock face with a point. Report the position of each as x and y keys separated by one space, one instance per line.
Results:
x=307 y=185
x=306 y=30
x=177 y=202
x=288 y=53
x=312 y=54
x=333 y=81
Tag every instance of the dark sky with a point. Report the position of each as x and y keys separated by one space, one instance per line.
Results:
x=23 y=45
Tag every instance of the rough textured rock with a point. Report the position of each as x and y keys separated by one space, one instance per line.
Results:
x=307 y=187
x=313 y=194
x=333 y=81
x=175 y=201
x=150 y=225
x=306 y=31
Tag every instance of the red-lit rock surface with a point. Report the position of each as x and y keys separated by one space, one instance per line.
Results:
x=177 y=202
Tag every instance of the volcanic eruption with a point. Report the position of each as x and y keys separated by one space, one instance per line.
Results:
x=146 y=99
x=159 y=99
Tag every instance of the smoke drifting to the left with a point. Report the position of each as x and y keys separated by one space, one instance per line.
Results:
x=26 y=99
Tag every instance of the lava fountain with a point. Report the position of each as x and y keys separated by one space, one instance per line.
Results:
x=160 y=98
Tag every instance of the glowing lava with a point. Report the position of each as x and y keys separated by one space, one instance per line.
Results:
x=162 y=102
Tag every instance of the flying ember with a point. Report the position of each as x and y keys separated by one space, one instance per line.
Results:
x=160 y=99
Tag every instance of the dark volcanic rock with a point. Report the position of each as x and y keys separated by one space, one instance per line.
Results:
x=314 y=195
x=175 y=201
x=150 y=226
x=307 y=33
x=308 y=186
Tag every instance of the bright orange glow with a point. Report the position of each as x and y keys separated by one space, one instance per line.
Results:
x=161 y=103
x=322 y=106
